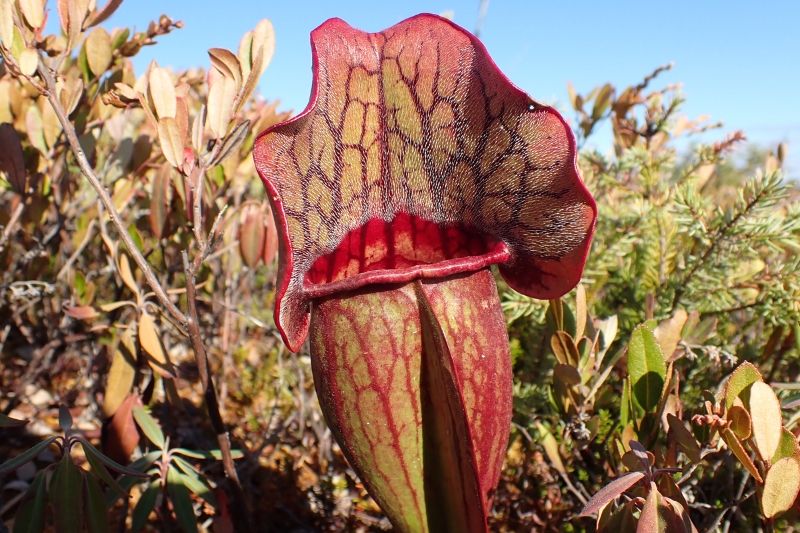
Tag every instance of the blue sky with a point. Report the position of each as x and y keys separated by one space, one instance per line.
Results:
x=739 y=61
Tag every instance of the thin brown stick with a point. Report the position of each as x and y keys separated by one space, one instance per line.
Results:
x=116 y=219
x=12 y=223
x=241 y=513
x=190 y=322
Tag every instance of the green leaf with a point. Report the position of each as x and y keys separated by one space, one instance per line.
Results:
x=137 y=239
x=780 y=487
x=787 y=447
x=91 y=450
x=149 y=426
x=30 y=517
x=16 y=462
x=96 y=511
x=657 y=515
x=452 y=488
x=7 y=422
x=646 y=367
x=564 y=348
x=64 y=418
x=100 y=470
x=622 y=521
x=145 y=505
x=625 y=403
x=198 y=485
x=211 y=454
x=181 y=501
x=743 y=377
x=550 y=445
x=66 y=493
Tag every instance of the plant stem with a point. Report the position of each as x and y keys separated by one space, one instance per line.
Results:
x=190 y=322
x=88 y=171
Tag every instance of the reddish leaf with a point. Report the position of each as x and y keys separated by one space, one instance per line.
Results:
x=84 y=312
x=684 y=438
x=611 y=491
x=160 y=201
x=121 y=436
x=270 y=240
x=252 y=234
x=12 y=160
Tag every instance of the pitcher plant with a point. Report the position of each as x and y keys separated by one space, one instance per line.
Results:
x=415 y=167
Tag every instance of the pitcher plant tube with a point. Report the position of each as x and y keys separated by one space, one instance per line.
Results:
x=415 y=167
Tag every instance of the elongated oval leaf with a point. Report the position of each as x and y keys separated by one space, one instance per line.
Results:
x=740 y=422
x=232 y=142
x=31 y=514
x=121 y=374
x=787 y=447
x=7 y=22
x=149 y=426
x=564 y=348
x=646 y=367
x=621 y=521
x=744 y=376
x=654 y=519
x=251 y=237
x=33 y=10
x=684 y=437
x=64 y=418
x=145 y=505
x=12 y=160
x=197 y=485
x=263 y=45
x=213 y=454
x=160 y=202
x=169 y=135
x=220 y=106
x=104 y=12
x=8 y=422
x=668 y=332
x=150 y=339
x=780 y=487
x=567 y=374
x=611 y=491
x=24 y=457
x=100 y=470
x=98 y=50
x=122 y=436
x=97 y=456
x=181 y=501
x=95 y=509
x=67 y=497
x=765 y=412
x=738 y=450
x=162 y=93
x=227 y=63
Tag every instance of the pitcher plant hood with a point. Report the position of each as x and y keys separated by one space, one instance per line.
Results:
x=417 y=158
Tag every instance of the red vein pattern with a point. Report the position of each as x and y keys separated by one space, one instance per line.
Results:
x=367 y=362
x=417 y=158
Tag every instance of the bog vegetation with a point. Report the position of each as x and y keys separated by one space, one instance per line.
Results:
x=144 y=385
